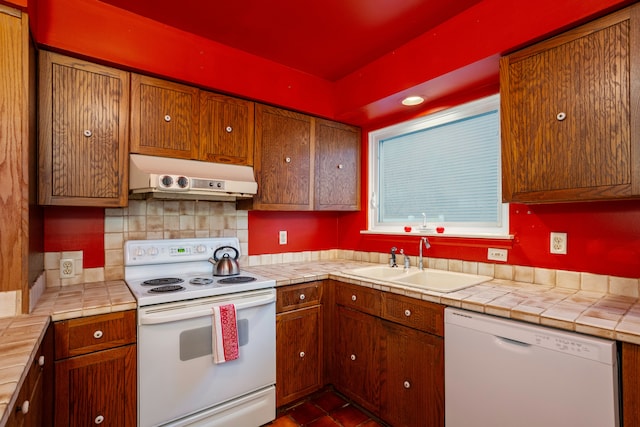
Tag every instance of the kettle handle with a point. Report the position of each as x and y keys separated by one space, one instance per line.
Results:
x=215 y=253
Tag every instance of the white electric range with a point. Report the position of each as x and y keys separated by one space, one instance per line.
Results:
x=178 y=382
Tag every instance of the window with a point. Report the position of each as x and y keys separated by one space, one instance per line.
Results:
x=442 y=169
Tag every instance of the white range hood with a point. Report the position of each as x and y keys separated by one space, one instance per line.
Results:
x=166 y=178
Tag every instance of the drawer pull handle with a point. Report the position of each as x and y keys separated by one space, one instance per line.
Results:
x=97 y=334
x=407 y=312
x=561 y=116
x=340 y=166
x=41 y=361
x=24 y=408
x=229 y=129
x=302 y=297
x=99 y=419
x=353 y=297
x=287 y=159
x=87 y=133
x=302 y=354
x=353 y=357
x=407 y=384
x=167 y=118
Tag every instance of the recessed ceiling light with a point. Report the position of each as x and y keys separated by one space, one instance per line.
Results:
x=412 y=100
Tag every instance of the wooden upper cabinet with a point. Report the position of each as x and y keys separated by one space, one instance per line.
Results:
x=226 y=129
x=570 y=116
x=337 y=166
x=84 y=110
x=283 y=159
x=164 y=118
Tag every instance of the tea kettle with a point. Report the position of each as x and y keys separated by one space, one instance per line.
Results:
x=225 y=266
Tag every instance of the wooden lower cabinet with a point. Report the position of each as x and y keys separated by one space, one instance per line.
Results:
x=34 y=405
x=299 y=341
x=412 y=383
x=630 y=382
x=96 y=370
x=357 y=357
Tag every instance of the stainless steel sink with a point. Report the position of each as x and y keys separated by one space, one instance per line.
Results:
x=429 y=279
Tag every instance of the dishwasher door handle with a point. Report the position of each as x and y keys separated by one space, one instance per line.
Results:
x=513 y=345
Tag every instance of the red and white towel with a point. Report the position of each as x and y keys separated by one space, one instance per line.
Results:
x=224 y=333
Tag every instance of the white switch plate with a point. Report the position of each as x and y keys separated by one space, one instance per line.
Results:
x=497 y=254
x=558 y=243
x=283 y=237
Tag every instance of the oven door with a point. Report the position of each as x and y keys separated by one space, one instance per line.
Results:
x=177 y=379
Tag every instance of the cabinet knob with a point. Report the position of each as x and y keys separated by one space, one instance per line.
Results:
x=353 y=297
x=353 y=357
x=340 y=166
x=406 y=384
x=287 y=159
x=167 y=118
x=302 y=297
x=99 y=419
x=229 y=129
x=407 y=312
x=97 y=334
x=24 y=408
x=87 y=133
x=41 y=361
x=561 y=116
x=302 y=354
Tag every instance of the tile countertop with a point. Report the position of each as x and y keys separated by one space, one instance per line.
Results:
x=20 y=336
x=601 y=314
x=595 y=313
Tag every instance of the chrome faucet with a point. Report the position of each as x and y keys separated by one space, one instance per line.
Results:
x=427 y=245
x=392 y=260
x=407 y=261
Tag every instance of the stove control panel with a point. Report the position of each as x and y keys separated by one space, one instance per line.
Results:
x=143 y=252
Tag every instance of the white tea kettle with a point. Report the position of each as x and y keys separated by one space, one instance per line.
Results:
x=225 y=266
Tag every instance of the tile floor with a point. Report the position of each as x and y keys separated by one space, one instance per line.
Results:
x=325 y=408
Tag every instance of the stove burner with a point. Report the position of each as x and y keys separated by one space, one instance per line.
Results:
x=236 y=279
x=201 y=281
x=162 y=281
x=166 y=288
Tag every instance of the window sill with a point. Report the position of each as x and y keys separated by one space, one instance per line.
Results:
x=498 y=241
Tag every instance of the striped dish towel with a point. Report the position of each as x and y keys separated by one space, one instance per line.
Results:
x=224 y=333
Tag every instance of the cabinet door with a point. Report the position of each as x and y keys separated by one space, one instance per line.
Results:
x=283 y=160
x=412 y=377
x=357 y=356
x=83 y=133
x=568 y=123
x=337 y=166
x=97 y=388
x=164 y=118
x=299 y=353
x=226 y=129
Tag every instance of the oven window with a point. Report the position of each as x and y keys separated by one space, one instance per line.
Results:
x=197 y=342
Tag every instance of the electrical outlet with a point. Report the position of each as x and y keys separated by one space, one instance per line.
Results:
x=67 y=268
x=283 y=237
x=558 y=243
x=497 y=254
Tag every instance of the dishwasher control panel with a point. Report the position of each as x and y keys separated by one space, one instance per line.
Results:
x=567 y=345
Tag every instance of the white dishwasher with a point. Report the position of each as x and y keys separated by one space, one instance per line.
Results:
x=501 y=372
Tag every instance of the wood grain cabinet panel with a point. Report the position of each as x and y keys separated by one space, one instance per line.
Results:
x=83 y=136
x=337 y=166
x=96 y=370
x=164 y=118
x=283 y=160
x=570 y=119
x=299 y=341
x=226 y=129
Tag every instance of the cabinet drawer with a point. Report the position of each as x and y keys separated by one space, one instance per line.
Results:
x=359 y=298
x=422 y=315
x=88 y=334
x=298 y=296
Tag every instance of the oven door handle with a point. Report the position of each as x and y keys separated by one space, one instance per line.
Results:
x=201 y=309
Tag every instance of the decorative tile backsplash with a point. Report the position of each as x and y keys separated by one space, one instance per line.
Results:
x=158 y=219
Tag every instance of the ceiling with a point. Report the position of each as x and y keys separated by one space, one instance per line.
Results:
x=329 y=39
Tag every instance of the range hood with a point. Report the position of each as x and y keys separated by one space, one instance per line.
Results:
x=166 y=178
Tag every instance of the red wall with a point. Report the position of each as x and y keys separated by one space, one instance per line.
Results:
x=456 y=61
